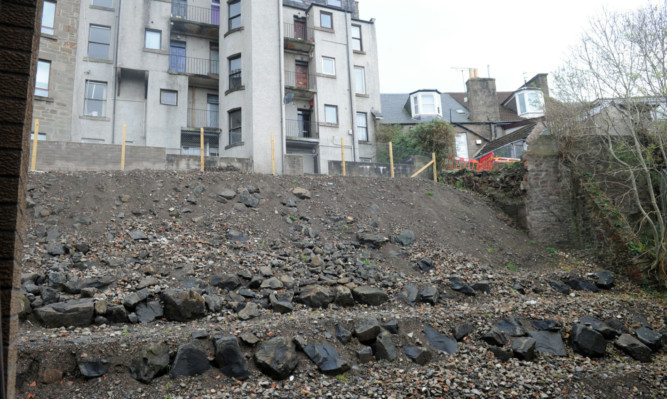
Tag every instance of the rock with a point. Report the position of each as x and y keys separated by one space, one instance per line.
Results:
x=301 y=193
x=181 y=305
x=650 y=338
x=501 y=354
x=117 y=314
x=599 y=326
x=291 y=202
x=418 y=354
x=24 y=306
x=280 y=304
x=226 y=281
x=343 y=296
x=365 y=354
x=372 y=240
x=147 y=312
x=326 y=358
x=76 y=286
x=512 y=327
x=77 y=313
x=300 y=342
x=546 y=325
x=588 y=342
x=370 y=296
x=524 y=348
x=93 y=368
x=57 y=279
x=50 y=376
x=190 y=361
x=560 y=287
x=55 y=249
x=439 y=341
x=214 y=303
x=391 y=326
x=457 y=285
x=342 y=334
x=495 y=337
x=227 y=194
x=230 y=359
x=138 y=235
x=519 y=288
x=272 y=283
x=132 y=300
x=367 y=331
x=405 y=238
x=250 y=311
x=605 y=279
x=549 y=342
x=634 y=348
x=409 y=294
x=237 y=236
x=249 y=338
x=429 y=295
x=639 y=320
x=463 y=330
x=316 y=296
x=49 y=295
x=384 y=347
x=249 y=200
x=581 y=284
x=152 y=362
x=277 y=358
x=482 y=286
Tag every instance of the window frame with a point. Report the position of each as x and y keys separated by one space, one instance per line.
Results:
x=159 y=33
x=90 y=41
x=168 y=91
x=233 y=129
x=233 y=19
x=363 y=128
x=424 y=104
x=324 y=69
x=362 y=71
x=103 y=99
x=356 y=40
x=103 y=6
x=234 y=72
x=49 y=29
x=335 y=110
x=42 y=91
x=328 y=14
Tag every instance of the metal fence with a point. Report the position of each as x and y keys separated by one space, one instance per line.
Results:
x=300 y=129
x=195 y=66
x=299 y=32
x=205 y=118
x=204 y=15
x=300 y=80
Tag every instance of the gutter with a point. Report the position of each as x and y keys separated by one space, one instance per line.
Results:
x=115 y=75
x=281 y=88
x=349 y=75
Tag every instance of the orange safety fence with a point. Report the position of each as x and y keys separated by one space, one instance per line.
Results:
x=487 y=162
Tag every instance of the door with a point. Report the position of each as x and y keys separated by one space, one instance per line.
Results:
x=177 y=56
x=302 y=75
x=304 y=123
x=462 y=145
x=215 y=12
x=300 y=29
x=215 y=59
x=212 y=107
x=179 y=8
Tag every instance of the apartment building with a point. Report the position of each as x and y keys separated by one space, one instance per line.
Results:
x=302 y=72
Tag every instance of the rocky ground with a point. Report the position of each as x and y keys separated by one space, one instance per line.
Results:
x=224 y=284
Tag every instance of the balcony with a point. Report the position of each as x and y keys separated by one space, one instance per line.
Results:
x=194 y=66
x=203 y=118
x=303 y=85
x=300 y=130
x=193 y=20
x=299 y=38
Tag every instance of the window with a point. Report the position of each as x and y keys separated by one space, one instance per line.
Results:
x=415 y=101
x=362 y=126
x=326 y=20
x=356 y=38
x=168 y=97
x=153 y=39
x=215 y=58
x=522 y=104
x=235 y=134
x=359 y=80
x=103 y=3
x=95 y=98
x=48 y=17
x=40 y=137
x=331 y=114
x=428 y=104
x=235 y=72
x=328 y=66
x=98 y=42
x=234 y=14
x=42 y=81
x=335 y=3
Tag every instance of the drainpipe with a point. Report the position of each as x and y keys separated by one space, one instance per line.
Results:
x=115 y=75
x=349 y=75
x=281 y=89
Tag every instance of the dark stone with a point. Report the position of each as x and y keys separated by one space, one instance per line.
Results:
x=391 y=326
x=524 y=348
x=190 y=360
x=57 y=279
x=147 y=312
x=49 y=295
x=181 y=305
x=546 y=325
x=405 y=238
x=249 y=311
x=501 y=354
x=226 y=281
x=249 y=338
x=457 y=285
x=326 y=358
x=77 y=313
x=634 y=348
x=426 y=265
x=117 y=314
x=290 y=203
x=549 y=342
x=249 y=200
x=55 y=249
x=512 y=327
x=560 y=287
x=519 y=288
x=418 y=354
x=343 y=296
x=316 y=296
x=300 y=342
x=138 y=235
x=132 y=300
x=650 y=338
x=616 y=325
x=367 y=331
x=371 y=240
x=230 y=359
x=599 y=326
x=384 y=347
x=605 y=279
x=365 y=354
x=81 y=247
x=214 y=303
x=439 y=341
x=277 y=358
x=272 y=283
x=237 y=236
x=495 y=337
x=280 y=304
x=93 y=368
x=581 y=284
x=76 y=286
x=342 y=334
x=482 y=286
x=640 y=321
x=151 y=362
x=463 y=330
x=370 y=296
x=588 y=342
x=429 y=295
x=409 y=294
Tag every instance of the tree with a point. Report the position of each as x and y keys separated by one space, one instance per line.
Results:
x=611 y=119
x=435 y=136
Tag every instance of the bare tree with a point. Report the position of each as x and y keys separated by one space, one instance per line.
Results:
x=611 y=118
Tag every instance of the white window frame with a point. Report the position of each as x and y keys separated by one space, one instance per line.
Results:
x=331 y=108
x=331 y=70
x=150 y=44
x=424 y=104
x=166 y=95
x=359 y=80
x=42 y=88
x=48 y=24
x=357 y=43
x=521 y=104
x=101 y=98
x=362 y=128
x=419 y=105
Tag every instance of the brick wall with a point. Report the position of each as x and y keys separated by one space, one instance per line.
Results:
x=19 y=20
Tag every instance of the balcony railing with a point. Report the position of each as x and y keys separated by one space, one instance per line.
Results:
x=195 y=66
x=203 y=118
x=299 y=129
x=300 y=80
x=298 y=32
x=235 y=79
x=204 y=15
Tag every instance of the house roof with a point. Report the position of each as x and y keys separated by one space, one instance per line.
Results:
x=506 y=114
x=517 y=135
x=394 y=112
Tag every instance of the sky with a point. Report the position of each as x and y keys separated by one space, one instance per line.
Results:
x=422 y=44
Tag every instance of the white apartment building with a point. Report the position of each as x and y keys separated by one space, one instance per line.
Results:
x=304 y=72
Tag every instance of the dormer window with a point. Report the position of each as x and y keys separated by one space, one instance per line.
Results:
x=530 y=103
x=426 y=104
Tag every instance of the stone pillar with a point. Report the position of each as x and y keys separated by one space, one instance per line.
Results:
x=19 y=24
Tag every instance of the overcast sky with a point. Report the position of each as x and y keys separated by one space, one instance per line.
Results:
x=420 y=41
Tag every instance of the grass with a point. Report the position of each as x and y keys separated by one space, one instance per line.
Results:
x=551 y=250
x=341 y=377
x=429 y=193
x=489 y=250
x=367 y=262
x=461 y=186
x=293 y=181
x=512 y=267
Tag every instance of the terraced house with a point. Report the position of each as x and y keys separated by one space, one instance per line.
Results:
x=304 y=72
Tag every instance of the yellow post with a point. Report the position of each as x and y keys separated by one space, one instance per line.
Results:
x=435 y=169
x=122 y=150
x=201 y=152
x=273 y=155
x=33 y=162
x=342 y=152
x=391 y=159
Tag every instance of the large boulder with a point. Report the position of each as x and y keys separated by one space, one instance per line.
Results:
x=409 y=294
x=367 y=330
x=605 y=279
x=316 y=296
x=650 y=338
x=76 y=313
x=226 y=281
x=511 y=327
x=147 y=312
x=524 y=348
x=370 y=296
x=326 y=358
x=93 y=368
x=277 y=358
x=372 y=240
x=343 y=296
x=581 y=284
x=405 y=238
x=634 y=348
x=190 y=360
x=549 y=342
x=152 y=362
x=418 y=354
x=588 y=342
x=181 y=305
x=250 y=311
x=439 y=341
x=133 y=299
x=229 y=358
x=384 y=348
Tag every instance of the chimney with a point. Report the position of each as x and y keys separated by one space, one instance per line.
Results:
x=540 y=81
x=482 y=99
x=356 y=10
